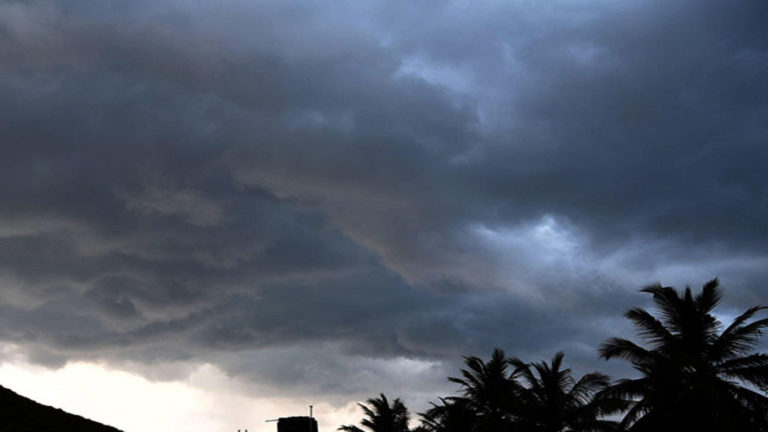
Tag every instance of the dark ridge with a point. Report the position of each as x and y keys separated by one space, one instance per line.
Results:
x=20 y=414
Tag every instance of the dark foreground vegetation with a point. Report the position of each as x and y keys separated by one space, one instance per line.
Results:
x=19 y=414
x=693 y=374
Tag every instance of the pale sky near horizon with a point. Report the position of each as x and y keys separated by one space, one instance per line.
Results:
x=206 y=401
x=221 y=212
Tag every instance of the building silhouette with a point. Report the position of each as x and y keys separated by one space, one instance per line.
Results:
x=297 y=424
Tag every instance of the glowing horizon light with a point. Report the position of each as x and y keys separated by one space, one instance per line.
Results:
x=130 y=402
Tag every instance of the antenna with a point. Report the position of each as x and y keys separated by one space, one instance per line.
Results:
x=310 y=411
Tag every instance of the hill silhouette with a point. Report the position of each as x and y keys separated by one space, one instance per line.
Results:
x=20 y=414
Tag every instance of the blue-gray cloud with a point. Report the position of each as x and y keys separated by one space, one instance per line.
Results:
x=246 y=183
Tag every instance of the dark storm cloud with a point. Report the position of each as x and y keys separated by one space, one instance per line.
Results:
x=360 y=185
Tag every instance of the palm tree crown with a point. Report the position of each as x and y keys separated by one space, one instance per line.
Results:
x=506 y=394
x=554 y=401
x=381 y=416
x=489 y=389
x=453 y=414
x=694 y=375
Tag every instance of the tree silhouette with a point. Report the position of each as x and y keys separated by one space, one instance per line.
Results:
x=381 y=416
x=553 y=401
x=450 y=415
x=490 y=390
x=693 y=374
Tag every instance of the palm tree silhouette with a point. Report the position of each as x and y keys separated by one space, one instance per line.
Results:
x=553 y=401
x=382 y=416
x=450 y=415
x=489 y=389
x=693 y=374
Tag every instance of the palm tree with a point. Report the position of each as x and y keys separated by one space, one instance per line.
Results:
x=553 y=401
x=450 y=415
x=382 y=416
x=694 y=375
x=489 y=389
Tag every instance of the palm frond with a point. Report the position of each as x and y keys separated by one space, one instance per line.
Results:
x=669 y=304
x=650 y=328
x=752 y=369
x=625 y=349
x=711 y=295
x=738 y=338
x=589 y=384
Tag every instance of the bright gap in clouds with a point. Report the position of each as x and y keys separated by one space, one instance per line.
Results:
x=550 y=237
x=531 y=250
x=208 y=401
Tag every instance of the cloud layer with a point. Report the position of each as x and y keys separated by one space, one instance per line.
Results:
x=343 y=198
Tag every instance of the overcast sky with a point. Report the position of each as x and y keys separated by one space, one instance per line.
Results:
x=318 y=201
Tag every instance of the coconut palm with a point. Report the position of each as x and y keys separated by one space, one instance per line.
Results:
x=382 y=416
x=552 y=400
x=489 y=389
x=450 y=415
x=694 y=375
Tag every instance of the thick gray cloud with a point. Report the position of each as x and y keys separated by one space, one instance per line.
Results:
x=354 y=189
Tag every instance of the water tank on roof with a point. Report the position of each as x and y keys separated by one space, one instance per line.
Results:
x=296 y=424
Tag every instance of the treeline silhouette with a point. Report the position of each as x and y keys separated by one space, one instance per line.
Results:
x=693 y=374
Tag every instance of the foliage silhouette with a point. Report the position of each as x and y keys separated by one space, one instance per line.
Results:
x=489 y=389
x=553 y=401
x=452 y=414
x=535 y=397
x=694 y=375
x=382 y=416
